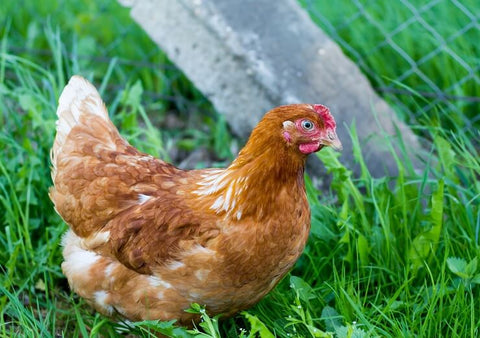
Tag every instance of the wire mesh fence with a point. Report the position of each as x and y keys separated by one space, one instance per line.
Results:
x=421 y=55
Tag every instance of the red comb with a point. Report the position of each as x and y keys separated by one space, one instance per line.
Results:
x=324 y=112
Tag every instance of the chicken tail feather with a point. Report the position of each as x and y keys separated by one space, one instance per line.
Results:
x=79 y=97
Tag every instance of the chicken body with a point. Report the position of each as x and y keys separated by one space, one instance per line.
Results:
x=147 y=239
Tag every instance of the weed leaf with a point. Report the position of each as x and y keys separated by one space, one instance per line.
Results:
x=257 y=327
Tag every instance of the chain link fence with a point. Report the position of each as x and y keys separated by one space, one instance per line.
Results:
x=422 y=56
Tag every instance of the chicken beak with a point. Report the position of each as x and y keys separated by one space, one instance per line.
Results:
x=334 y=142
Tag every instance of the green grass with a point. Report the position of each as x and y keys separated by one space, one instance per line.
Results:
x=388 y=256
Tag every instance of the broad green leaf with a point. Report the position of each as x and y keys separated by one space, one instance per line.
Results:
x=304 y=290
x=436 y=214
x=346 y=240
x=426 y=243
x=332 y=318
x=350 y=331
x=447 y=157
x=257 y=327
x=344 y=213
x=28 y=102
x=363 y=249
x=471 y=267
x=134 y=94
x=476 y=279
x=457 y=266
x=194 y=308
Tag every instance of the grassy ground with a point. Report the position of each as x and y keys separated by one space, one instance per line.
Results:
x=386 y=257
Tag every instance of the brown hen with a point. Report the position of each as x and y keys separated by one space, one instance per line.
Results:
x=147 y=239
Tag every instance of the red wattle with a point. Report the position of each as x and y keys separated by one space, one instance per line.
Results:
x=308 y=148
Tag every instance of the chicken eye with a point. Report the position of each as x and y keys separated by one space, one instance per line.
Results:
x=307 y=125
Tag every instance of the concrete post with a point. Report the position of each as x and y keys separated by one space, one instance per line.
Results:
x=252 y=55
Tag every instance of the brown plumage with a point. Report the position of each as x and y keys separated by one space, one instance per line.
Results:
x=147 y=239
